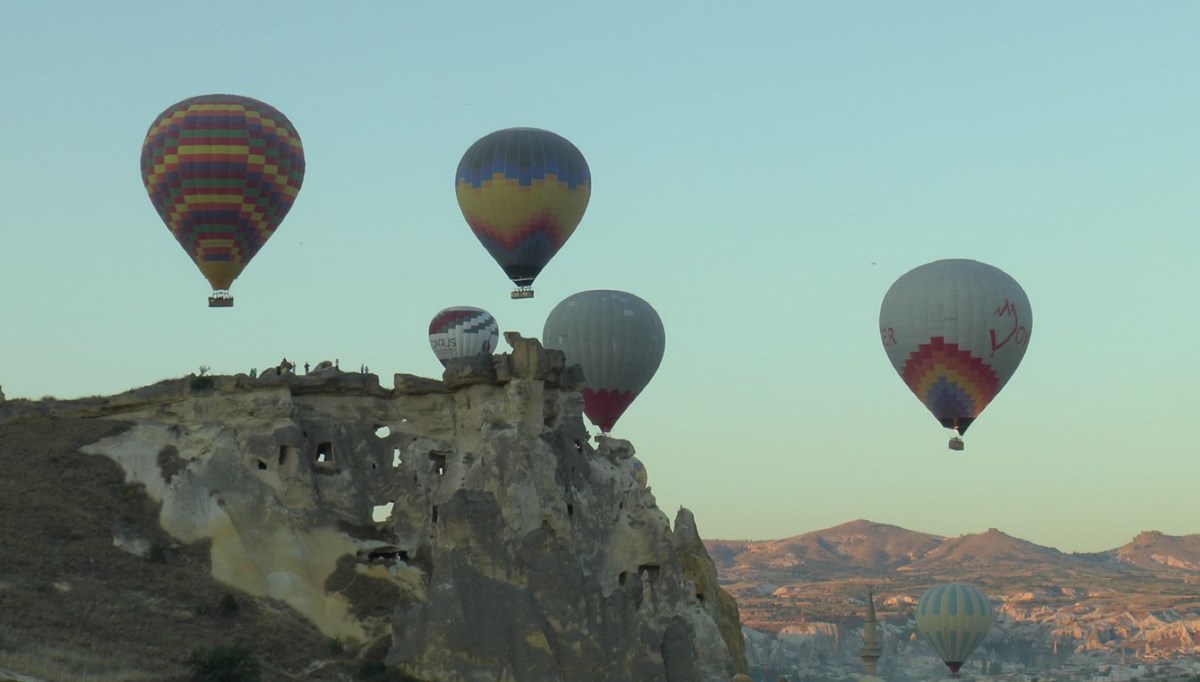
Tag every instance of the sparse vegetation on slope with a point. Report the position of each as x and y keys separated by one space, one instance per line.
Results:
x=74 y=606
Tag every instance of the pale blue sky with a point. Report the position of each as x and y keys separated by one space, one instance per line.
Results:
x=762 y=173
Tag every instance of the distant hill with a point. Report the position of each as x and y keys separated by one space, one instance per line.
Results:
x=824 y=576
x=1157 y=552
x=987 y=554
x=866 y=549
x=856 y=548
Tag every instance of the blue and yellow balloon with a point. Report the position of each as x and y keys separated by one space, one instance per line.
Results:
x=523 y=191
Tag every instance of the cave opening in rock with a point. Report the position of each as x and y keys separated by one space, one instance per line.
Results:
x=382 y=554
x=288 y=461
x=325 y=452
x=651 y=571
x=439 y=462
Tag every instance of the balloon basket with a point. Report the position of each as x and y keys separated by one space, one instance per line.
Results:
x=956 y=444
x=220 y=299
x=522 y=292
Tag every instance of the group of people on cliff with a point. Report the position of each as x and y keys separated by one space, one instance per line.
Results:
x=287 y=367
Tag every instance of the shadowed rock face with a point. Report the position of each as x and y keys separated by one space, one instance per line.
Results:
x=513 y=549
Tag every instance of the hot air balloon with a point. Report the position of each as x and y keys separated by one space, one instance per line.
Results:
x=461 y=332
x=955 y=330
x=618 y=341
x=523 y=191
x=639 y=473
x=222 y=171
x=953 y=618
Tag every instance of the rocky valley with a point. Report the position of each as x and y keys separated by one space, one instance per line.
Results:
x=802 y=599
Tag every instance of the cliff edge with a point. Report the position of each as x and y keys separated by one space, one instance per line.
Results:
x=463 y=529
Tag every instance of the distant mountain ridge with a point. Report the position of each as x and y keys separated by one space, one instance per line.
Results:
x=1155 y=551
x=802 y=599
x=858 y=546
x=863 y=548
x=1143 y=596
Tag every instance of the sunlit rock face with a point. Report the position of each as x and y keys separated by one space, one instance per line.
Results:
x=512 y=548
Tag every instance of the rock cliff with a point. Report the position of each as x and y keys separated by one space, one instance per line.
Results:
x=467 y=526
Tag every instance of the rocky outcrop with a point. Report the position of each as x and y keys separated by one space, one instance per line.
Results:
x=467 y=525
x=700 y=572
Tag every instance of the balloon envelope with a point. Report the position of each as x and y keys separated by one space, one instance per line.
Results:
x=955 y=331
x=639 y=473
x=618 y=341
x=461 y=332
x=222 y=171
x=523 y=191
x=953 y=618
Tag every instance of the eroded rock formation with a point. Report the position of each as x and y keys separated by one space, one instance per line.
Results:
x=513 y=548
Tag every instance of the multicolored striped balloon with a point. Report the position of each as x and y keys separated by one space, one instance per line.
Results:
x=461 y=332
x=618 y=341
x=953 y=618
x=955 y=330
x=222 y=171
x=523 y=191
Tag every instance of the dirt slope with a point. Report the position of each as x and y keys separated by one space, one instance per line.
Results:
x=74 y=606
